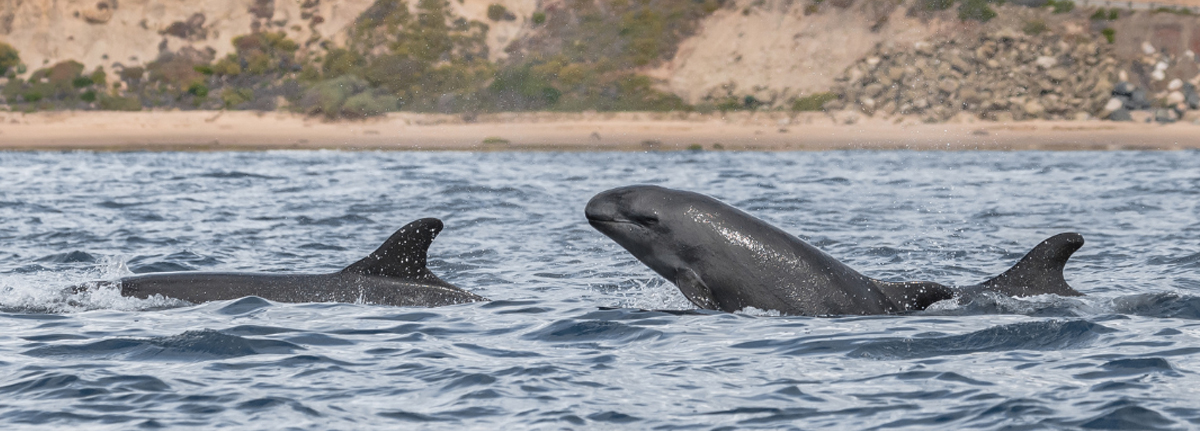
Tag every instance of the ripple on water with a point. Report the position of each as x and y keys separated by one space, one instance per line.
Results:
x=189 y=346
x=544 y=354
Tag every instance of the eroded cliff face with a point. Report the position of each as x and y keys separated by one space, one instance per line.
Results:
x=133 y=32
x=775 y=50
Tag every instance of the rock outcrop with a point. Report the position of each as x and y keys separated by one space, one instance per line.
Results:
x=999 y=73
x=997 y=76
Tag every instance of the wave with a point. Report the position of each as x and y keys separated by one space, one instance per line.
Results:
x=1172 y=305
x=189 y=346
x=1043 y=335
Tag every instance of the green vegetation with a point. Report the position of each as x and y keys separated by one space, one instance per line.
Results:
x=497 y=12
x=348 y=96
x=813 y=102
x=1061 y=6
x=9 y=58
x=60 y=86
x=1174 y=11
x=582 y=56
x=430 y=61
x=1109 y=34
x=968 y=10
x=1034 y=27
x=977 y=10
x=198 y=89
x=1103 y=15
x=586 y=54
x=495 y=140
x=118 y=103
x=256 y=54
x=932 y=5
x=235 y=96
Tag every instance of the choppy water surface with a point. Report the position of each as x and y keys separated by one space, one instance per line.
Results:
x=544 y=354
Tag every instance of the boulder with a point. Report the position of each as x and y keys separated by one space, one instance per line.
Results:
x=873 y=90
x=948 y=86
x=1046 y=62
x=1058 y=74
x=1142 y=116
x=1033 y=109
x=959 y=64
x=1190 y=97
x=1001 y=70
x=1113 y=105
x=1123 y=88
x=1175 y=98
x=1120 y=115
x=1165 y=116
x=1138 y=100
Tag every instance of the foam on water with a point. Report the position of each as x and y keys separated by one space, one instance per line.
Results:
x=579 y=334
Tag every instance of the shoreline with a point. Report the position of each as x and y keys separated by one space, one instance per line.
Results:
x=552 y=131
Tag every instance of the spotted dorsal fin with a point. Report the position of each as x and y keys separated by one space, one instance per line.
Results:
x=403 y=255
x=1041 y=271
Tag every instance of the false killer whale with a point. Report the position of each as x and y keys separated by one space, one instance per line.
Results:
x=395 y=274
x=724 y=259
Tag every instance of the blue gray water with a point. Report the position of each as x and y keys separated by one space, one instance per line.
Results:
x=543 y=354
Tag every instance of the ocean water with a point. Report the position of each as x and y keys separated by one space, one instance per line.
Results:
x=566 y=342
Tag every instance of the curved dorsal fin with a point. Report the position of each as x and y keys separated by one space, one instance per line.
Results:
x=403 y=255
x=1040 y=271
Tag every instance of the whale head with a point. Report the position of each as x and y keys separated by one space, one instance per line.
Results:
x=722 y=258
x=676 y=233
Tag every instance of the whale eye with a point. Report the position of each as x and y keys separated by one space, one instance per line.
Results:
x=648 y=219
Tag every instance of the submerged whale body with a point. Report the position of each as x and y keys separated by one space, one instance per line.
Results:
x=395 y=274
x=721 y=258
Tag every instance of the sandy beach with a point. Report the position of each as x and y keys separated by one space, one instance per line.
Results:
x=767 y=131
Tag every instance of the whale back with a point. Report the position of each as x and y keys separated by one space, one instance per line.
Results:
x=404 y=255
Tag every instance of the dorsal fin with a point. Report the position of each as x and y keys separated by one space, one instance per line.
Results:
x=404 y=254
x=1040 y=271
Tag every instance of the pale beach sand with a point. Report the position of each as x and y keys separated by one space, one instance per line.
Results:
x=772 y=131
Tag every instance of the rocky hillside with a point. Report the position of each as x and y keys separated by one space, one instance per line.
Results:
x=1036 y=65
x=934 y=59
x=133 y=32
